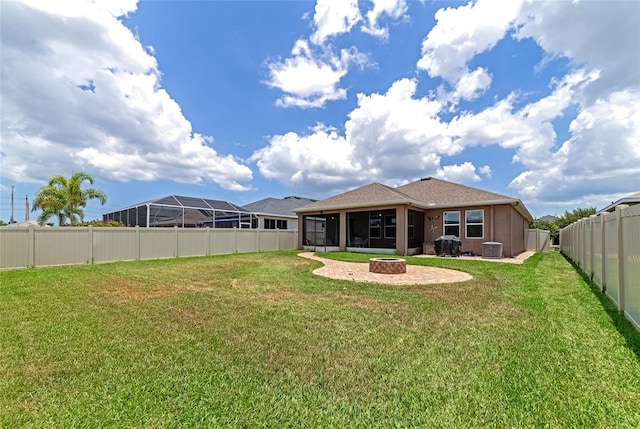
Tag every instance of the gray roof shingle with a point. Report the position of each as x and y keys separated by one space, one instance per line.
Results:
x=276 y=206
x=426 y=193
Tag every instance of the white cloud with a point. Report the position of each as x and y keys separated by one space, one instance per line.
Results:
x=465 y=172
x=333 y=18
x=388 y=137
x=601 y=36
x=395 y=9
x=311 y=78
x=321 y=161
x=485 y=170
x=79 y=90
x=472 y=84
x=601 y=157
x=392 y=136
x=462 y=33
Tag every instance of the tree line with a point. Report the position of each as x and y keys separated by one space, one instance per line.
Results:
x=560 y=222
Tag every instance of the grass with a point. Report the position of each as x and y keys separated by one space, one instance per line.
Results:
x=257 y=340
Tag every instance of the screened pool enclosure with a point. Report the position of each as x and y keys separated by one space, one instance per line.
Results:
x=185 y=212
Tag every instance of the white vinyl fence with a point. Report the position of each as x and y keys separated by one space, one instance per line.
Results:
x=607 y=248
x=39 y=247
x=538 y=240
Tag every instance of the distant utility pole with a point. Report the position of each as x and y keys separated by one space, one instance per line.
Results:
x=26 y=210
x=11 y=217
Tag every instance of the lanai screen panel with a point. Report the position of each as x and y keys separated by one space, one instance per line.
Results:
x=188 y=212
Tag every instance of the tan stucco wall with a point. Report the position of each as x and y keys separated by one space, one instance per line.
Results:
x=502 y=223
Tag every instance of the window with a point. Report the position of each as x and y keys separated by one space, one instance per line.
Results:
x=374 y=226
x=452 y=223
x=275 y=224
x=474 y=221
x=390 y=226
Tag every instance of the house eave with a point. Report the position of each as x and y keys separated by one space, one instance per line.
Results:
x=428 y=206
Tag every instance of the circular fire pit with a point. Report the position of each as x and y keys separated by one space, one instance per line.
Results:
x=387 y=265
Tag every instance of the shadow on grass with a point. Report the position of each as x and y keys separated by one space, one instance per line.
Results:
x=622 y=325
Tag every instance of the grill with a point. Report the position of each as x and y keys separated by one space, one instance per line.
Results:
x=448 y=245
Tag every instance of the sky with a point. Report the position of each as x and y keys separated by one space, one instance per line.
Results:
x=244 y=100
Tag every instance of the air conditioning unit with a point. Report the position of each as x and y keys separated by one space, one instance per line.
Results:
x=492 y=250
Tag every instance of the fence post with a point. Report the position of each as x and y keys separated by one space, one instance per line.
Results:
x=90 y=243
x=32 y=246
x=138 y=242
x=258 y=240
x=621 y=259
x=603 y=249
x=592 y=221
x=208 y=252
x=175 y=236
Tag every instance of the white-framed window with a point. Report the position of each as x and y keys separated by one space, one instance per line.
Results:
x=451 y=223
x=474 y=223
x=390 y=226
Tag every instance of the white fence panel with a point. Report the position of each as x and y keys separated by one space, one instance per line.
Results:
x=611 y=280
x=15 y=248
x=538 y=240
x=288 y=240
x=631 y=252
x=23 y=247
x=62 y=246
x=587 y=243
x=192 y=242
x=156 y=243
x=222 y=242
x=607 y=248
x=246 y=241
x=115 y=244
x=597 y=250
x=268 y=240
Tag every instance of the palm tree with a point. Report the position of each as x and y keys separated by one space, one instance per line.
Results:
x=65 y=198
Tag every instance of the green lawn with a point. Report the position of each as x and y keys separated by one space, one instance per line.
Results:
x=257 y=340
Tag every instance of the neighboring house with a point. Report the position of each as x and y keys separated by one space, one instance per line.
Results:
x=408 y=219
x=629 y=200
x=274 y=213
x=185 y=212
x=25 y=224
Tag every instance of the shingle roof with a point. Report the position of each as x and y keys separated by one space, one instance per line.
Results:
x=426 y=193
x=630 y=199
x=441 y=192
x=370 y=195
x=276 y=206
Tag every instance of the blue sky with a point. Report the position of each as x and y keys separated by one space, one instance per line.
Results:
x=243 y=100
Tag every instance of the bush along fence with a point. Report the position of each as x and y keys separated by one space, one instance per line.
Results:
x=38 y=247
x=606 y=247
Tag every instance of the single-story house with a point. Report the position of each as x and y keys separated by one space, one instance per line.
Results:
x=629 y=200
x=276 y=213
x=408 y=219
